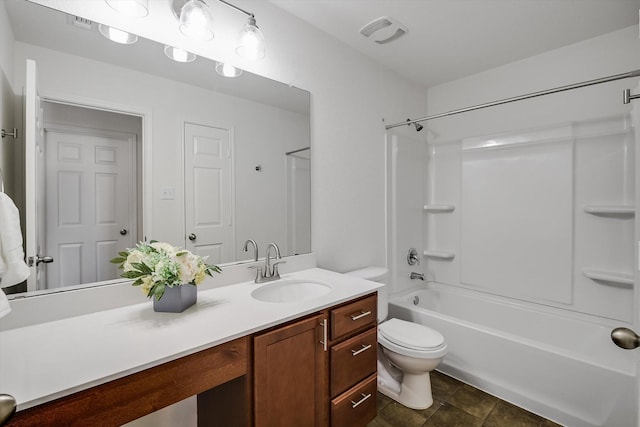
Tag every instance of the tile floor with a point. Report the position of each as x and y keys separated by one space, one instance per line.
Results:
x=456 y=404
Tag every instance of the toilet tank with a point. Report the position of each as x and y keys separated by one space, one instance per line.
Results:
x=380 y=275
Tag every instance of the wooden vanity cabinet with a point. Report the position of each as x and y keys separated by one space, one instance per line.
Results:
x=320 y=370
x=290 y=376
x=353 y=363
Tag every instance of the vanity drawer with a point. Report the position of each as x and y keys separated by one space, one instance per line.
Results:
x=353 y=360
x=354 y=316
x=357 y=406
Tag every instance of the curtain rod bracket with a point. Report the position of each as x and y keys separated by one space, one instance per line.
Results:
x=627 y=97
x=14 y=134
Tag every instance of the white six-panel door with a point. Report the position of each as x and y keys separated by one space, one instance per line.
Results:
x=208 y=192
x=34 y=171
x=90 y=207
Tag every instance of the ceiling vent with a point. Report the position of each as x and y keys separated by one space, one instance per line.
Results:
x=384 y=30
x=79 y=22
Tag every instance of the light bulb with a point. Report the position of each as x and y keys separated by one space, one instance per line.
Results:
x=179 y=55
x=196 y=21
x=251 y=41
x=227 y=70
x=116 y=35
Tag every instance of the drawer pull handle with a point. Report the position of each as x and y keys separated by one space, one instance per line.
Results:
x=364 y=397
x=324 y=341
x=364 y=348
x=361 y=315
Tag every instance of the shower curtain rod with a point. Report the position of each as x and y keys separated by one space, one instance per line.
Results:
x=628 y=75
x=297 y=151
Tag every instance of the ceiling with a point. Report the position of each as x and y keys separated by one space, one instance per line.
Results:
x=450 y=39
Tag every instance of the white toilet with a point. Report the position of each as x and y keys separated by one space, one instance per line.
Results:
x=410 y=351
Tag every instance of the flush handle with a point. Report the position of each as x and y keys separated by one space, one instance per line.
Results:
x=625 y=338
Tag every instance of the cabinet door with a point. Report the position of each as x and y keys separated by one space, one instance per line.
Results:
x=290 y=375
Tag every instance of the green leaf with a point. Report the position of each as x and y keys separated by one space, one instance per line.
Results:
x=118 y=260
x=142 y=267
x=133 y=274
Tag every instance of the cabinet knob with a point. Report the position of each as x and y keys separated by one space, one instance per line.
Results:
x=192 y=237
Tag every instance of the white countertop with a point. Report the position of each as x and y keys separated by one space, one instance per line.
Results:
x=46 y=361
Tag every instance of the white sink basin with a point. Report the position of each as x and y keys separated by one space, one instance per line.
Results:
x=290 y=291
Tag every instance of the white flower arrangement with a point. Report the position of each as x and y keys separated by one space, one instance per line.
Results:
x=157 y=265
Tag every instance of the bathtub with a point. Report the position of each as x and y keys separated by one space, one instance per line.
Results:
x=562 y=366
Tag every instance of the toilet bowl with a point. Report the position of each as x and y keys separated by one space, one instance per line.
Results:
x=409 y=351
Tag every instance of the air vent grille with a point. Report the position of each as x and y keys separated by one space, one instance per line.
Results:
x=383 y=30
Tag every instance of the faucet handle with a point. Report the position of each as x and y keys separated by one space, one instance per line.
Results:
x=276 y=273
x=259 y=275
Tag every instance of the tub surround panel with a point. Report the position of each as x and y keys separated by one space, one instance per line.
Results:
x=519 y=233
x=516 y=223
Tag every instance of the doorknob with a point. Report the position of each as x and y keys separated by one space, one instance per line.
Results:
x=124 y=231
x=38 y=259
x=45 y=259
x=625 y=338
x=192 y=237
x=7 y=408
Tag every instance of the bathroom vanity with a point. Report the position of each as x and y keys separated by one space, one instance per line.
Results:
x=250 y=362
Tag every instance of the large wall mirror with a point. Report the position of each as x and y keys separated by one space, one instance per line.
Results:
x=132 y=145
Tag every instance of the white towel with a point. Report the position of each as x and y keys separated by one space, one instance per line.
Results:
x=13 y=269
x=4 y=304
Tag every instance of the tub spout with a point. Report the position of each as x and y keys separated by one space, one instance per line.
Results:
x=415 y=275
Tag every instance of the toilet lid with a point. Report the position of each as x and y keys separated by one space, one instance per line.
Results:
x=410 y=335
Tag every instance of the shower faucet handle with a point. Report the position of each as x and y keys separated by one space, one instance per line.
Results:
x=412 y=257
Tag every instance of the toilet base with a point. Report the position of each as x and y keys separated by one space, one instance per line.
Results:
x=415 y=391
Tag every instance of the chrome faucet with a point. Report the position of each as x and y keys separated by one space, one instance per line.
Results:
x=270 y=272
x=415 y=275
x=255 y=248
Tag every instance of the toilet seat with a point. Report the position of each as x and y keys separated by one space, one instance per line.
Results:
x=411 y=339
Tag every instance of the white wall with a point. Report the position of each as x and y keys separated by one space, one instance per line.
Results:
x=350 y=96
x=262 y=134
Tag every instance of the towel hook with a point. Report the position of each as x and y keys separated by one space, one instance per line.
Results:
x=14 y=134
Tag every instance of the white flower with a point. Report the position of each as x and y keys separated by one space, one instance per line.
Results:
x=187 y=266
x=164 y=247
x=134 y=257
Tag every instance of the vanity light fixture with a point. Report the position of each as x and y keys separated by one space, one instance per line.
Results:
x=251 y=41
x=227 y=70
x=130 y=8
x=179 y=55
x=196 y=22
x=116 y=35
